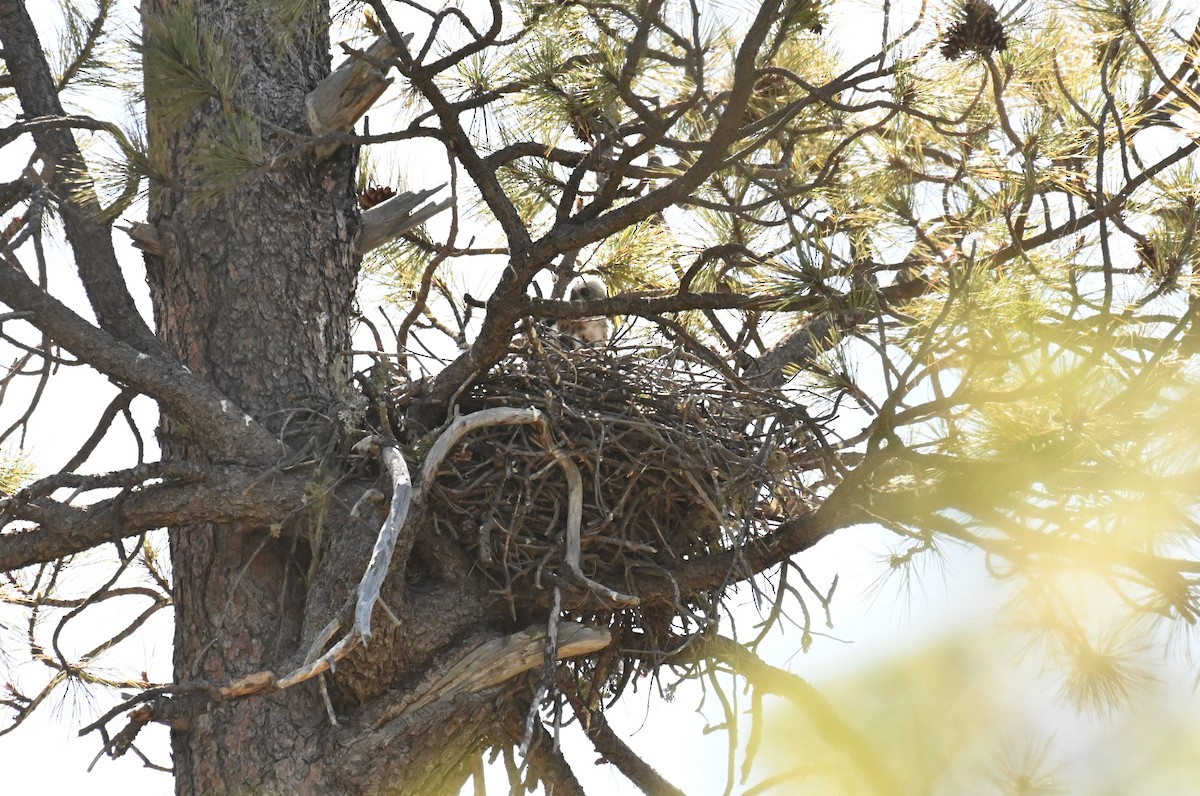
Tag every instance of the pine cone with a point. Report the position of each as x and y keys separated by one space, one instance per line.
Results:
x=1147 y=254
x=978 y=30
x=376 y=194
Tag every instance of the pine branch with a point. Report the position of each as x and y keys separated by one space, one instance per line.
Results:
x=217 y=423
x=88 y=234
x=215 y=494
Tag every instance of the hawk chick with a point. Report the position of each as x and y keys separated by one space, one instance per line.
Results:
x=588 y=331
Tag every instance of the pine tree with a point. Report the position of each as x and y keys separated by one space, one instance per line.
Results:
x=950 y=297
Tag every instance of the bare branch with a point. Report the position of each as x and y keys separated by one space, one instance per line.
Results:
x=781 y=682
x=344 y=96
x=88 y=234
x=227 y=494
x=229 y=430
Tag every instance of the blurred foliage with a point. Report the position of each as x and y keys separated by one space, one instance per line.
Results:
x=16 y=469
x=962 y=714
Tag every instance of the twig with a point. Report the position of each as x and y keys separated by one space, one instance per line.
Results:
x=574 y=523
x=385 y=544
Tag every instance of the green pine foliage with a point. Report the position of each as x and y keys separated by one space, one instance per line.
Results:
x=192 y=65
x=83 y=57
x=16 y=469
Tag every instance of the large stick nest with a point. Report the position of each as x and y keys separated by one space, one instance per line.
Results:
x=678 y=461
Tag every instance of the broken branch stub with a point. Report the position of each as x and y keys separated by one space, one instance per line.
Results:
x=391 y=219
x=341 y=99
x=499 y=660
x=380 y=224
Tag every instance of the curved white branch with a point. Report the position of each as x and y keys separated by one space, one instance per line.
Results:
x=463 y=425
x=385 y=543
x=574 y=526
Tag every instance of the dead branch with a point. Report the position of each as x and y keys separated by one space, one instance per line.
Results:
x=499 y=660
x=389 y=220
x=230 y=431
x=344 y=96
x=463 y=425
x=385 y=544
x=574 y=522
x=380 y=224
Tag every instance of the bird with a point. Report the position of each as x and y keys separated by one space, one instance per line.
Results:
x=592 y=331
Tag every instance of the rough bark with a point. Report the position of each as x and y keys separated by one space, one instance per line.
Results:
x=253 y=292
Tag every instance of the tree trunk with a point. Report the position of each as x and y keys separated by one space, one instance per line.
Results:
x=253 y=290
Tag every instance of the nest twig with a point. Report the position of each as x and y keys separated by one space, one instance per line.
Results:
x=676 y=461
